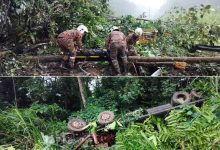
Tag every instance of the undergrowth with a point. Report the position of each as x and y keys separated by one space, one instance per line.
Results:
x=189 y=127
x=25 y=129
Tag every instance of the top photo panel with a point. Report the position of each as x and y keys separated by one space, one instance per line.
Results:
x=110 y=38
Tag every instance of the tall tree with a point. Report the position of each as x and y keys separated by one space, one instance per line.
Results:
x=81 y=89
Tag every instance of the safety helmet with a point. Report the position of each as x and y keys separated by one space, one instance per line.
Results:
x=156 y=31
x=82 y=29
x=139 y=31
x=114 y=28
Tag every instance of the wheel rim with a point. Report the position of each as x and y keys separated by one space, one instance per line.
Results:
x=105 y=117
x=76 y=125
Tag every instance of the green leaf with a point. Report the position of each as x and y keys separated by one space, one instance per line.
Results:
x=189 y=113
x=111 y=126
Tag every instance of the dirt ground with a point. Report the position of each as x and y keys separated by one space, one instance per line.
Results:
x=105 y=69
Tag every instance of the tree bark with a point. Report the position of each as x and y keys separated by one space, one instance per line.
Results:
x=137 y=59
x=81 y=91
x=155 y=63
x=14 y=90
x=174 y=59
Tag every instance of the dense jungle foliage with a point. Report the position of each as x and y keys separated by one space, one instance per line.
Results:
x=33 y=21
x=29 y=22
x=36 y=115
x=187 y=128
x=25 y=24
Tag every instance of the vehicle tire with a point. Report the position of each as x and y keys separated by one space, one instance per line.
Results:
x=105 y=117
x=195 y=95
x=180 y=98
x=76 y=125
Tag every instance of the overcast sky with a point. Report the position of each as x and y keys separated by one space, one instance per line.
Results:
x=153 y=8
x=152 y=4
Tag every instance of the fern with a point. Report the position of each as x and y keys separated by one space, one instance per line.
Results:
x=189 y=127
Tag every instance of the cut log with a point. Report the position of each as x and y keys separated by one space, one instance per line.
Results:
x=138 y=59
x=89 y=55
x=58 y=58
x=175 y=59
x=101 y=55
x=48 y=58
x=155 y=63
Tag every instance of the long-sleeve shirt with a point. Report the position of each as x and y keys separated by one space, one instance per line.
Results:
x=115 y=36
x=74 y=35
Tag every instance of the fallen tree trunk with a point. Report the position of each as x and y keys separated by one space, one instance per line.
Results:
x=101 y=55
x=137 y=59
x=89 y=55
x=58 y=58
x=155 y=63
x=48 y=58
x=175 y=59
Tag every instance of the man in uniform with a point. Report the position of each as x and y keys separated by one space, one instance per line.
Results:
x=132 y=39
x=116 y=45
x=70 y=41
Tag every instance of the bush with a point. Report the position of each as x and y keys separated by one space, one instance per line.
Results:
x=23 y=129
x=185 y=128
x=90 y=112
x=48 y=112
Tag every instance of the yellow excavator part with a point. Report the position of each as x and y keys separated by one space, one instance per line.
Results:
x=149 y=36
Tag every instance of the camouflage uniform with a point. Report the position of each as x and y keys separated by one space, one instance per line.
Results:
x=70 y=41
x=116 y=44
x=131 y=40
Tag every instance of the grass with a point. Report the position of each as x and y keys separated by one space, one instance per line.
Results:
x=24 y=129
x=15 y=123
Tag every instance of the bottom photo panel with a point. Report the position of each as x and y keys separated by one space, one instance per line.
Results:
x=113 y=113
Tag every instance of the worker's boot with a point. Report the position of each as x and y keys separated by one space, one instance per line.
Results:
x=72 y=62
x=116 y=67
x=125 y=63
x=65 y=63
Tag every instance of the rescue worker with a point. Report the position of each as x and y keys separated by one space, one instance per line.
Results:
x=132 y=39
x=116 y=45
x=70 y=41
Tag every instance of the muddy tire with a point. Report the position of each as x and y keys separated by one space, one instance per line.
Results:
x=180 y=98
x=76 y=125
x=105 y=117
x=195 y=95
